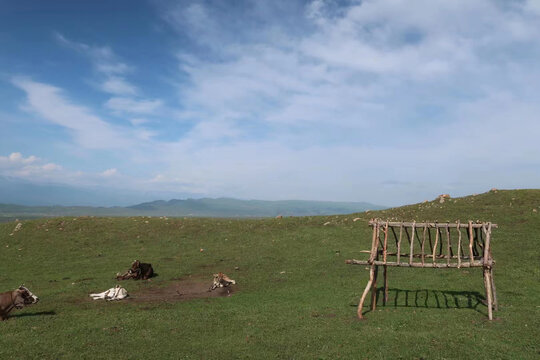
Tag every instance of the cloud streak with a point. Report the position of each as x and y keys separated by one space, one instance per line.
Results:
x=88 y=130
x=102 y=57
x=113 y=78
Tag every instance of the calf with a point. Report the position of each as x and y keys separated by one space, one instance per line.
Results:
x=18 y=299
x=115 y=293
x=221 y=280
x=138 y=271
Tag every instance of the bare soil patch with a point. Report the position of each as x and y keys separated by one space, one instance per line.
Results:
x=183 y=289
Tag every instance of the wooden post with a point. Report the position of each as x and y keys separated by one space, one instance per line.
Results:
x=490 y=259
x=366 y=290
x=487 y=284
x=494 y=290
x=385 y=250
x=385 y=298
x=374 y=290
x=487 y=271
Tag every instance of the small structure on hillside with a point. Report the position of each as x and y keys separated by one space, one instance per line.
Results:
x=428 y=245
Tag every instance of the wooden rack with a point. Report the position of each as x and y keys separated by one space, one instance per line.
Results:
x=428 y=245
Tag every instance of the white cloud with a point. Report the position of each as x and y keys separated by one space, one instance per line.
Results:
x=16 y=165
x=17 y=158
x=102 y=57
x=118 y=86
x=134 y=106
x=36 y=170
x=138 y=121
x=112 y=71
x=110 y=172
x=89 y=130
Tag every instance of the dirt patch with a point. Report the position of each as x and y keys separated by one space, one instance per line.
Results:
x=181 y=290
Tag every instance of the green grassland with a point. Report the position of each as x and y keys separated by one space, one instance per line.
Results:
x=295 y=296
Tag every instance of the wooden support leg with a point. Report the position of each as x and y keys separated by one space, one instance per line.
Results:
x=487 y=283
x=385 y=299
x=366 y=290
x=494 y=291
x=374 y=289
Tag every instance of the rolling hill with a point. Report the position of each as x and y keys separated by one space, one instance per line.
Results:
x=222 y=207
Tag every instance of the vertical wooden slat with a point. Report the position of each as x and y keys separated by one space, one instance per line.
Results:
x=459 y=245
x=412 y=243
x=476 y=243
x=429 y=238
x=436 y=241
x=449 y=253
x=374 y=242
x=487 y=231
x=385 y=241
x=423 y=243
x=471 y=240
x=399 y=242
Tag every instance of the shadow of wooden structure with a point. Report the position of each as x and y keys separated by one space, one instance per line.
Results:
x=428 y=245
x=433 y=299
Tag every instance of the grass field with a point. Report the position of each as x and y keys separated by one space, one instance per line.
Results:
x=295 y=297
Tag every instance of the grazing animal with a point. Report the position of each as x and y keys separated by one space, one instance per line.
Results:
x=115 y=293
x=18 y=299
x=138 y=271
x=221 y=280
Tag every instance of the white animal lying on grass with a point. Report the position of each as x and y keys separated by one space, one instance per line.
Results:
x=115 y=293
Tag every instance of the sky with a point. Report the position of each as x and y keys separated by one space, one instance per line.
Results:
x=386 y=101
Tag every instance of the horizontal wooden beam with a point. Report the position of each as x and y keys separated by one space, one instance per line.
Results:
x=417 y=265
x=426 y=256
x=428 y=224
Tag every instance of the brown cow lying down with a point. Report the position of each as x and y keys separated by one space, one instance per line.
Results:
x=15 y=299
x=221 y=280
x=138 y=271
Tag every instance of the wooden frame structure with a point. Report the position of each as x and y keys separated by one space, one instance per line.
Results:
x=428 y=245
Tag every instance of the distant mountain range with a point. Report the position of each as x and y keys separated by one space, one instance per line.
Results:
x=17 y=191
x=206 y=207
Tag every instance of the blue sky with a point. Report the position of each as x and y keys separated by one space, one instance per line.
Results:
x=390 y=101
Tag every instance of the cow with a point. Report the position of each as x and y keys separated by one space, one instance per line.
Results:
x=115 y=293
x=138 y=271
x=17 y=299
x=221 y=280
